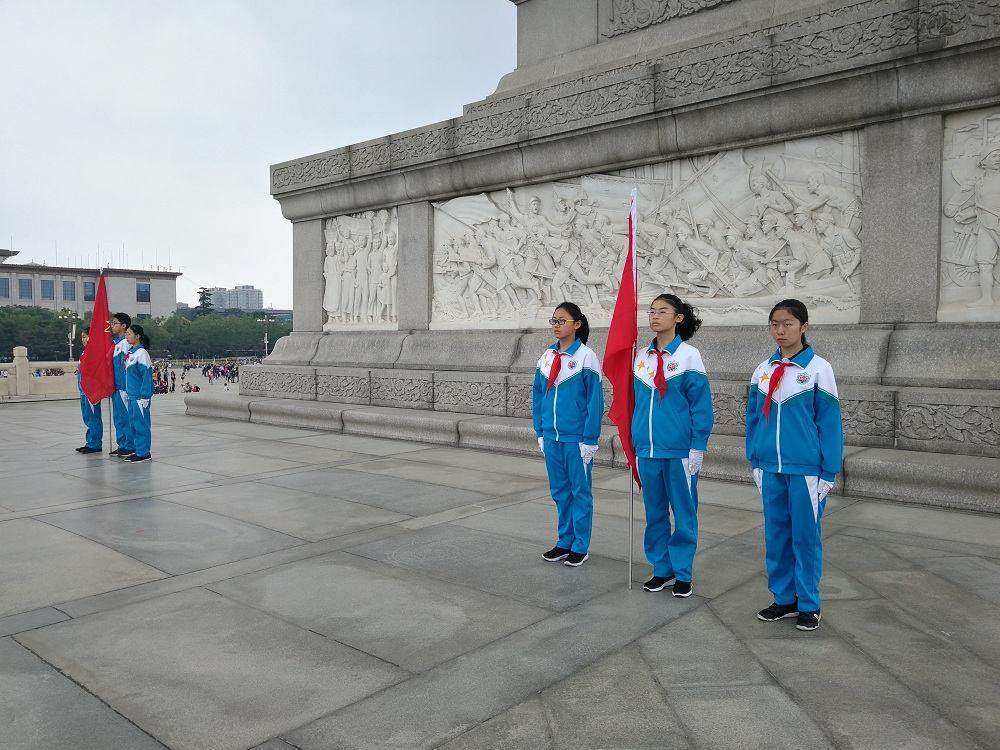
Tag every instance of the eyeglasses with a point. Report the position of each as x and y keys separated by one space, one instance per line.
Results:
x=560 y=321
x=657 y=313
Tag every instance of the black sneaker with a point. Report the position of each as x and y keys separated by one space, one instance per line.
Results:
x=682 y=588
x=778 y=612
x=124 y=453
x=658 y=583
x=85 y=449
x=115 y=452
x=555 y=554
x=808 y=620
x=576 y=559
x=134 y=459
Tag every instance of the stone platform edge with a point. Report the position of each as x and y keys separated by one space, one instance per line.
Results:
x=957 y=482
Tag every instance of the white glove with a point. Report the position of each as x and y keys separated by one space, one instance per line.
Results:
x=588 y=452
x=695 y=458
x=143 y=403
x=758 y=478
x=823 y=488
x=541 y=445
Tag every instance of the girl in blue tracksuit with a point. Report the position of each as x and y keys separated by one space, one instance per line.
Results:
x=795 y=445
x=119 y=403
x=91 y=412
x=139 y=388
x=567 y=405
x=670 y=429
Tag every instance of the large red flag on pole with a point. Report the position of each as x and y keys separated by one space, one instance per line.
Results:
x=619 y=354
x=97 y=374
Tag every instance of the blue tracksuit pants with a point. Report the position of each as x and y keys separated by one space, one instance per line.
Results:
x=123 y=422
x=93 y=422
x=793 y=538
x=570 y=483
x=666 y=486
x=141 y=427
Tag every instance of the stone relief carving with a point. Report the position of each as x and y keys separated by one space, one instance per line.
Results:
x=970 y=227
x=734 y=233
x=344 y=386
x=978 y=425
x=491 y=396
x=360 y=270
x=633 y=15
x=417 y=393
x=277 y=382
x=867 y=419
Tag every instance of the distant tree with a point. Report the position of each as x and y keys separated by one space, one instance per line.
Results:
x=204 y=301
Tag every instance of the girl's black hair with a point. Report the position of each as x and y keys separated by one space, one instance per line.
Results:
x=143 y=338
x=797 y=309
x=583 y=332
x=689 y=325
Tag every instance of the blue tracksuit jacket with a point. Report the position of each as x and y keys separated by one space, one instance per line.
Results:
x=683 y=419
x=804 y=434
x=138 y=368
x=570 y=411
x=118 y=362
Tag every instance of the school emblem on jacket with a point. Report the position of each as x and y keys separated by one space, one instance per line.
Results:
x=803 y=378
x=672 y=365
x=572 y=364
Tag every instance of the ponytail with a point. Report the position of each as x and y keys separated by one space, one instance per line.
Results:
x=690 y=323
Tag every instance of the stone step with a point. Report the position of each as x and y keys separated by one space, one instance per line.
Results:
x=913 y=477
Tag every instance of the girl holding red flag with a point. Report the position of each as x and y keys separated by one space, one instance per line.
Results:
x=795 y=445
x=567 y=404
x=670 y=428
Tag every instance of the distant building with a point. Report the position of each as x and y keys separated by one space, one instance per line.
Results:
x=140 y=293
x=243 y=297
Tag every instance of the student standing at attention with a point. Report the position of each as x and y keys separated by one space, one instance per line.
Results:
x=567 y=405
x=91 y=412
x=795 y=445
x=139 y=387
x=670 y=429
x=119 y=408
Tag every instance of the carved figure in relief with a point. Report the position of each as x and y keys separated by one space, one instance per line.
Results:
x=766 y=197
x=331 y=277
x=846 y=204
x=390 y=262
x=976 y=208
x=841 y=244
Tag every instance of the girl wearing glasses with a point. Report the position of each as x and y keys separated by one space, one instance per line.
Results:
x=795 y=446
x=567 y=405
x=670 y=429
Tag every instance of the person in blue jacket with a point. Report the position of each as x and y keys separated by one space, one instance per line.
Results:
x=119 y=402
x=91 y=412
x=795 y=446
x=670 y=429
x=567 y=405
x=139 y=388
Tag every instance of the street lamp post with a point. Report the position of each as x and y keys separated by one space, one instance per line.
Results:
x=266 y=321
x=70 y=319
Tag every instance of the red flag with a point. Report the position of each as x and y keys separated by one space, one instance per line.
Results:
x=97 y=374
x=619 y=353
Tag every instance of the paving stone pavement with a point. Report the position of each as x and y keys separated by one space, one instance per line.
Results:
x=277 y=588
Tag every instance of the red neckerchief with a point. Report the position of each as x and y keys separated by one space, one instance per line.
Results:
x=659 y=380
x=556 y=366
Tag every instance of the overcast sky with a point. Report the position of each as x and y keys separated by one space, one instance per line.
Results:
x=146 y=129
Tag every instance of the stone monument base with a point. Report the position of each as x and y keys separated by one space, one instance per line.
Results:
x=920 y=402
